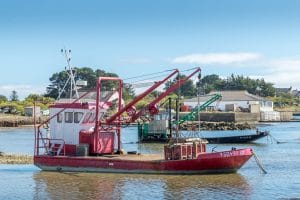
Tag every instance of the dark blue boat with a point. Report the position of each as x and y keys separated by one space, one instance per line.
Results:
x=238 y=138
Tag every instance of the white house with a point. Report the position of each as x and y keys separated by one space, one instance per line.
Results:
x=238 y=98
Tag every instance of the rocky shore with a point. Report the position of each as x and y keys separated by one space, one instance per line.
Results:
x=15 y=159
x=216 y=126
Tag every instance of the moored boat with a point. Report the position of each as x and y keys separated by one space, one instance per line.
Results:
x=84 y=137
x=237 y=138
x=205 y=163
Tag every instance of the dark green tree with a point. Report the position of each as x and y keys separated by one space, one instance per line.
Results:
x=210 y=82
x=187 y=89
x=237 y=82
x=59 y=79
x=14 y=96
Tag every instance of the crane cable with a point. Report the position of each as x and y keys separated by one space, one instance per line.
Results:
x=148 y=74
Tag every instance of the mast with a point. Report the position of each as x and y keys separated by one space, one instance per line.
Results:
x=71 y=72
x=198 y=106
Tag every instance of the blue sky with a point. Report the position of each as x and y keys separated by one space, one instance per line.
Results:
x=252 y=38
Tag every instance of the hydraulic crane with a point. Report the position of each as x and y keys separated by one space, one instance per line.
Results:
x=129 y=108
x=192 y=115
x=153 y=107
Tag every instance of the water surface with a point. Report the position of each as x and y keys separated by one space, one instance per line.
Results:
x=282 y=162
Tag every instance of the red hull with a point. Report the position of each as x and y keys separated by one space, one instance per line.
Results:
x=218 y=162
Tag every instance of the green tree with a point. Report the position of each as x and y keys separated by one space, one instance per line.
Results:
x=187 y=89
x=237 y=82
x=34 y=97
x=2 y=98
x=128 y=92
x=59 y=79
x=210 y=82
x=14 y=96
x=39 y=99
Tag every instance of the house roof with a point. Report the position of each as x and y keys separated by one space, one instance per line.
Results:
x=229 y=95
x=284 y=90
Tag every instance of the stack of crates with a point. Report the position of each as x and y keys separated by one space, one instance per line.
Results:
x=183 y=151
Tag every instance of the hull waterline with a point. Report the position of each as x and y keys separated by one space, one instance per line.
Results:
x=208 y=163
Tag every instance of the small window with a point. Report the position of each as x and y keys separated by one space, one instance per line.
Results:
x=59 y=118
x=77 y=117
x=68 y=117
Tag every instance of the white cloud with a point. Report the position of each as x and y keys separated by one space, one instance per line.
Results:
x=22 y=90
x=285 y=65
x=217 y=58
x=284 y=72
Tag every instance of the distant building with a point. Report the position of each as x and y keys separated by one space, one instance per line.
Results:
x=30 y=110
x=296 y=93
x=284 y=90
x=233 y=100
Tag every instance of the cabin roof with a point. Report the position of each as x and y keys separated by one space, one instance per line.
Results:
x=85 y=105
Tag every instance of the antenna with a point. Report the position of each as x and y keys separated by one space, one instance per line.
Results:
x=71 y=72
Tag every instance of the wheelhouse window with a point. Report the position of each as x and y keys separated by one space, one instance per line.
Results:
x=77 y=117
x=93 y=118
x=69 y=117
x=59 y=118
x=89 y=117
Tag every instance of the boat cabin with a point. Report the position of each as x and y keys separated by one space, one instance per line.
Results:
x=72 y=128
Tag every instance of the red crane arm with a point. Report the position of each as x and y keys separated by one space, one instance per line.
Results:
x=141 y=96
x=164 y=94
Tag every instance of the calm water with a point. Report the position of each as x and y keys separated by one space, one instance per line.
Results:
x=282 y=161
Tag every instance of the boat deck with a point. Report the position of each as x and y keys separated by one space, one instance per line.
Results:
x=137 y=157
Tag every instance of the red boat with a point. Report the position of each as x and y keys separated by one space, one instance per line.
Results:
x=205 y=163
x=84 y=138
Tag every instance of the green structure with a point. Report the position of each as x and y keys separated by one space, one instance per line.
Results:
x=192 y=115
x=158 y=130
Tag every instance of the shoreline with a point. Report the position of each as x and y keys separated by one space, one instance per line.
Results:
x=15 y=159
x=8 y=120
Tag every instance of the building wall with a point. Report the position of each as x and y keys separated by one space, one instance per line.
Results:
x=227 y=117
x=29 y=111
x=265 y=106
x=221 y=104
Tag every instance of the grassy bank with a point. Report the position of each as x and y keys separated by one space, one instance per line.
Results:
x=7 y=120
x=15 y=159
x=288 y=108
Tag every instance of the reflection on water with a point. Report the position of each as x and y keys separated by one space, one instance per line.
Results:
x=280 y=160
x=53 y=185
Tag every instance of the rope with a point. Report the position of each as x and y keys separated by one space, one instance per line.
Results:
x=259 y=163
x=189 y=69
x=273 y=138
x=141 y=84
x=148 y=74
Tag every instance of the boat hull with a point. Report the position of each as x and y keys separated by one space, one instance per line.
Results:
x=208 y=163
x=237 y=139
